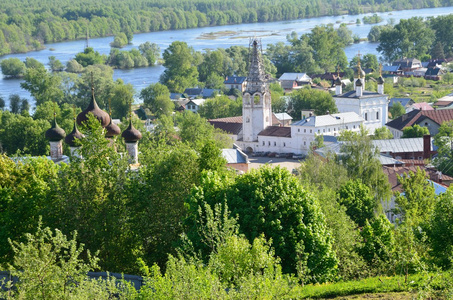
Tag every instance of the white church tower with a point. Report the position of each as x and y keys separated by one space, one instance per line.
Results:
x=256 y=106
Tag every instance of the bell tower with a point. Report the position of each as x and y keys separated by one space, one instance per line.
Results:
x=256 y=106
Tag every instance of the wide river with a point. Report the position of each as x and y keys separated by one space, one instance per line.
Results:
x=270 y=33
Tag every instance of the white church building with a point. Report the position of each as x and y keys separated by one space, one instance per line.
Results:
x=258 y=130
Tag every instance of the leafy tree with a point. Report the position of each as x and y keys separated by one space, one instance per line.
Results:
x=220 y=107
x=328 y=48
x=360 y=158
x=14 y=103
x=271 y=201
x=382 y=133
x=119 y=41
x=414 y=131
x=32 y=63
x=73 y=66
x=181 y=72
x=89 y=57
x=150 y=51
x=42 y=85
x=320 y=101
x=194 y=130
x=439 y=230
x=397 y=110
x=23 y=133
x=49 y=266
x=409 y=38
x=358 y=200
x=344 y=34
x=12 y=67
x=417 y=201
x=156 y=97
x=2 y=103
x=367 y=61
x=122 y=95
x=378 y=243
x=55 y=64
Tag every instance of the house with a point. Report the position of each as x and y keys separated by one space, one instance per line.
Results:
x=235 y=82
x=236 y=159
x=431 y=119
x=283 y=118
x=405 y=102
x=443 y=104
x=371 y=106
x=392 y=70
x=305 y=131
x=393 y=152
x=181 y=104
x=194 y=105
x=420 y=106
x=411 y=148
x=434 y=74
x=193 y=93
x=408 y=64
x=289 y=81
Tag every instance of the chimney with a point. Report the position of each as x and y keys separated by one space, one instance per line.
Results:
x=404 y=117
x=426 y=146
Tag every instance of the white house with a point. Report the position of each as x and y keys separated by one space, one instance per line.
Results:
x=235 y=82
x=289 y=81
x=371 y=106
x=304 y=132
x=194 y=105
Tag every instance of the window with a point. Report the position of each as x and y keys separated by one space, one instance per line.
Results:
x=366 y=116
x=324 y=130
x=334 y=129
x=426 y=123
x=275 y=143
x=268 y=143
x=264 y=143
x=284 y=144
x=247 y=120
x=328 y=129
x=305 y=143
x=346 y=127
x=377 y=115
x=354 y=126
x=298 y=130
x=310 y=131
x=305 y=130
x=319 y=131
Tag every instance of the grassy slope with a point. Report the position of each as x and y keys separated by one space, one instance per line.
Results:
x=375 y=287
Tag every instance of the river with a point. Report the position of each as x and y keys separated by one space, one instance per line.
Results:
x=270 y=33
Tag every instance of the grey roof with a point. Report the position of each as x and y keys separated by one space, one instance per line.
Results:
x=330 y=120
x=402 y=145
x=352 y=94
x=235 y=79
x=330 y=139
x=404 y=101
x=294 y=76
x=234 y=156
x=390 y=68
x=283 y=116
x=387 y=160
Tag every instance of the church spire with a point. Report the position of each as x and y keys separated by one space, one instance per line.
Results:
x=256 y=80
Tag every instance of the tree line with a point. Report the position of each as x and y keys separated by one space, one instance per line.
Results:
x=27 y=26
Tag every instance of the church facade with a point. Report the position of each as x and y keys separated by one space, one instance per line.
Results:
x=258 y=130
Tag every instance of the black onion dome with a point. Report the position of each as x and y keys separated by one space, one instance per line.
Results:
x=358 y=82
x=93 y=108
x=338 y=81
x=55 y=133
x=131 y=134
x=112 y=130
x=380 y=80
x=73 y=136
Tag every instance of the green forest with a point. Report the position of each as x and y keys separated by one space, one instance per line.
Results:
x=28 y=25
